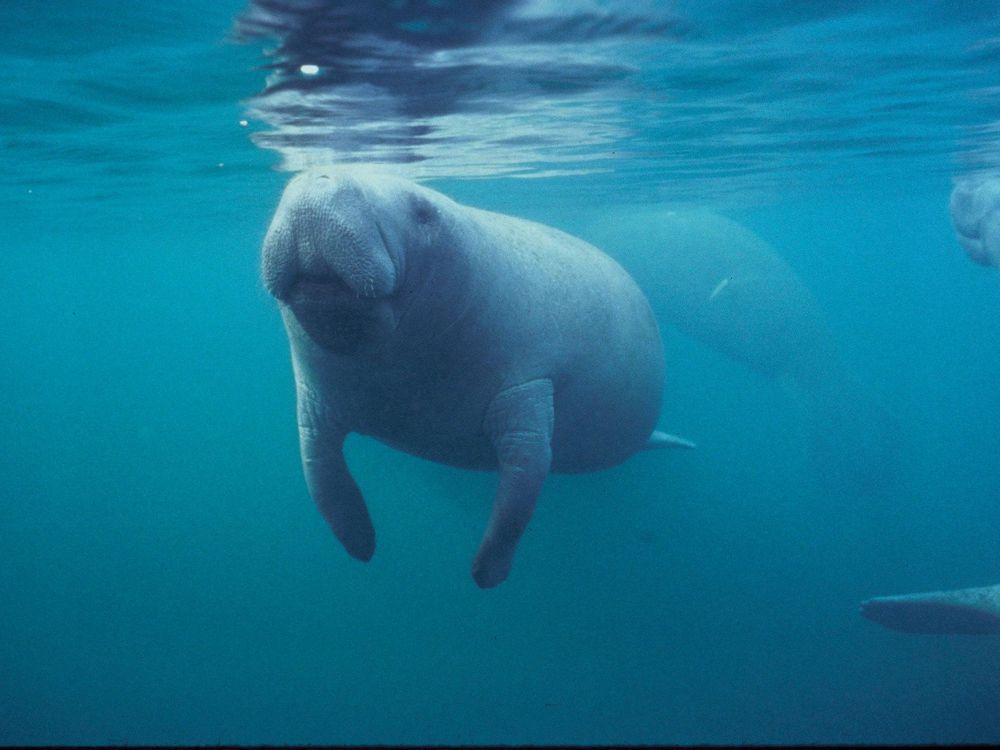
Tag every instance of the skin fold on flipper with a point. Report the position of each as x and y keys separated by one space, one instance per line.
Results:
x=970 y=611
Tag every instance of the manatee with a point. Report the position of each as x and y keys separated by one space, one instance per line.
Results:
x=975 y=214
x=465 y=337
x=972 y=611
x=723 y=285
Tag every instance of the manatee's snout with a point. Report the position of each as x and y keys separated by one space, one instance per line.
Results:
x=331 y=257
x=327 y=240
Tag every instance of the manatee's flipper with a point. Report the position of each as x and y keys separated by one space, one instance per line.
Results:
x=973 y=611
x=666 y=440
x=330 y=483
x=519 y=422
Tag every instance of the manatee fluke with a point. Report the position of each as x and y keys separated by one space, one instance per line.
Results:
x=461 y=336
x=972 y=611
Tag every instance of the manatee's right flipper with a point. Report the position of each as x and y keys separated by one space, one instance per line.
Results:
x=974 y=611
x=330 y=483
x=666 y=440
x=519 y=422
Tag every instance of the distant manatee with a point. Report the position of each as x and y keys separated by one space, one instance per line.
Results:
x=720 y=283
x=975 y=214
x=974 y=611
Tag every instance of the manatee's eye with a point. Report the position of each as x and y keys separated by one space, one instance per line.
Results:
x=423 y=212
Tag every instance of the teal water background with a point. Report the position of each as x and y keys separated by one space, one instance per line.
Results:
x=164 y=577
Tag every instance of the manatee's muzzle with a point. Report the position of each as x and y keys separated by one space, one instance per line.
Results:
x=316 y=291
x=288 y=281
x=341 y=246
x=334 y=317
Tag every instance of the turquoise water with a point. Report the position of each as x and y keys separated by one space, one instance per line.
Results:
x=164 y=576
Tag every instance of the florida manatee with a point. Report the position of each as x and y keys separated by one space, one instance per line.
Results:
x=723 y=285
x=462 y=336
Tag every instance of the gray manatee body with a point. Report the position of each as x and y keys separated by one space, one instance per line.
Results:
x=975 y=214
x=723 y=285
x=458 y=335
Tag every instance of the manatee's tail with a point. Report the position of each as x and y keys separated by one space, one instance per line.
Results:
x=974 y=611
x=666 y=440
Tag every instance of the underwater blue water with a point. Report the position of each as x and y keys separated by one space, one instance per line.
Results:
x=164 y=576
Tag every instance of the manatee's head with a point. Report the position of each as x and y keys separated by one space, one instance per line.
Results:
x=975 y=214
x=336 y=252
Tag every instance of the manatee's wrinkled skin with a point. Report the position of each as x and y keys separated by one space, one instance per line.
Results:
x=462 y=336
x=720 y=283
x=973 y=611
x=975 y=214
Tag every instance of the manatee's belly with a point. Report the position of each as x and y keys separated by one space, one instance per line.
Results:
x=596 y=426
x=604 y=438
x=435 y=417
x=465 y=452
x=450 y=437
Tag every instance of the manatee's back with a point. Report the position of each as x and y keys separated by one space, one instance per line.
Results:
x=722 y=284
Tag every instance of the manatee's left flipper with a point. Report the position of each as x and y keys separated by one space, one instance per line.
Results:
x=974 y=611
x=519 y=422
